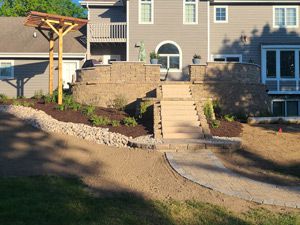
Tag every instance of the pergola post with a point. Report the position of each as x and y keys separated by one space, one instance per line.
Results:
x=60 y=65
x=60 y=25
x=51 y=62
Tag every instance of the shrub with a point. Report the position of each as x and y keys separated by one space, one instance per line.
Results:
x=209 y=111
x=60 y=107
x=215 y=124
x=16 y=103
x=119 y=102
x=217 y=108
x=21 y=97
x=130 y=122
x=75 y=106
x=100 y=121
x=115 y=123
x=48 y=98
x=196 y=56
x=229 y=118
x=88 y=110
x=154 y=55
x=144 y=107
x=3 y=98
x=27 y=104
x=38 y=94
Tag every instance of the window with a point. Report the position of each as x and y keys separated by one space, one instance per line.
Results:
x=221 y=14
x=287 y=64
x=169 y=56
x=286 y=108
x=271 y=64
x=285 y=16
x=146 y=11
x=227 y=58
x=6 y=69
x=190 y=12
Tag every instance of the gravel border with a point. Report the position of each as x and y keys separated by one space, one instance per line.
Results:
x=43 y=121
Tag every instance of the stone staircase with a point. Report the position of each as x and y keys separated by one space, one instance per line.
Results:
x=179 y=117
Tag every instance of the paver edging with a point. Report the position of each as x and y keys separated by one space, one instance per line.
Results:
x=178 y=169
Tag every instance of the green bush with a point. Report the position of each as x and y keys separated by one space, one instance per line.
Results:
x=21 y=97
x=130 y=122
x=215 y=124
x=60 y=107
x=119 y=103
x=27 y=104
x=144 y=107
x=88 y=110
x=48 y=98
x=3 y=98
x=38 y=94
x=100 y=120
x=115 y=123
x=209 y=111
x=229 y=118
x=75 y=106
x=16 y=103
x=217 y=108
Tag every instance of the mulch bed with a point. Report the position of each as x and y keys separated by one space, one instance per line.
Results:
x=227 y=129
x=144 y=127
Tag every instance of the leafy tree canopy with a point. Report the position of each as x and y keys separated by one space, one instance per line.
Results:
x=22 y=7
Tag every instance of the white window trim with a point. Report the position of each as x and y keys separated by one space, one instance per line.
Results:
x=197 y=12
x=286 y=7
x=240 y=56
x=152 y=13
x=12 y=75
x=285 y=105
x=278 y=78
x=215 y=14
x=180 y=55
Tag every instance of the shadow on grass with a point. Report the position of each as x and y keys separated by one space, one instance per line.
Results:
x=54 y=200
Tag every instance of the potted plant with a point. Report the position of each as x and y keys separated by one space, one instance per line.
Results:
x=154 y=58
x=196 y=59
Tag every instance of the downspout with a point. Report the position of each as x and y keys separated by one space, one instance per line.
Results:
x=127 y=30
x=208 y=31
x=88 y=43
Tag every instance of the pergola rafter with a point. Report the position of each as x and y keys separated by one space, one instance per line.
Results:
x=59 y=25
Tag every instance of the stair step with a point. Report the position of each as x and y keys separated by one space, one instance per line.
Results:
x=183 y=135
x=174 y=123
x=178 y=112
x=182 y=129
x=177 y=103
x=180 y=118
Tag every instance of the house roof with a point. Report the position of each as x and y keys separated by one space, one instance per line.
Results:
x=103 y=2
x=16 y=38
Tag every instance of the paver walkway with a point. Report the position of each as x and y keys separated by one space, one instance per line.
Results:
x=207 y=170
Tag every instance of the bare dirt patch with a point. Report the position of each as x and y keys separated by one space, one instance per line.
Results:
x=267 y=155
x=26 y=151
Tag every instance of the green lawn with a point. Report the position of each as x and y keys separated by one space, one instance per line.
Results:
x=60 y=201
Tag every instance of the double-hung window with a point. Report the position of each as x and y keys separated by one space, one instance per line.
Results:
x=285 y=16
x=6 y=69
x=221 y=14
x=190 y=12
x=146 y=11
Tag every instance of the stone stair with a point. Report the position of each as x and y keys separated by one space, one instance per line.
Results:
x=179 y=117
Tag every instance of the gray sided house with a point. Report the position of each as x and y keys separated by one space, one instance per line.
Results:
x=24 y=58
x=261 y=32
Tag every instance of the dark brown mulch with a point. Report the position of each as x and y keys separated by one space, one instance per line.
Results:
x=144 y=127
x=227 y=129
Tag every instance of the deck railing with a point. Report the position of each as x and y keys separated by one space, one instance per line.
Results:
x=108 y=32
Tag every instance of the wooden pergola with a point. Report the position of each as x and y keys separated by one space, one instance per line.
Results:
x=58 y=26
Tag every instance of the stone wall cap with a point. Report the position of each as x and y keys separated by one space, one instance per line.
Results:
x=202 y=64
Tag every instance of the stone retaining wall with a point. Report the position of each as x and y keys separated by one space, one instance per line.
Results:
x=235 y=85
x=132 y=80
